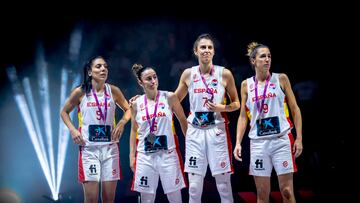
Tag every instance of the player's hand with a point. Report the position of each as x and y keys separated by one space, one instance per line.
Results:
x=297 y=148
x=215 y=107
x=237 y=152
x=132 y=163
x=117 y=132
x=77 y=137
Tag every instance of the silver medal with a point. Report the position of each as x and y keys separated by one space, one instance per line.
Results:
x=151 y=138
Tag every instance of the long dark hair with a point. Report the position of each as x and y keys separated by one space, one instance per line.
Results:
x=86 y=84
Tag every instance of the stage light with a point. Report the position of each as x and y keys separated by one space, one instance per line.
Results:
x=30 y=117
x=25 y=113
x=64 y=133
x=29 y=112
x=31 y=103
x=43 y=82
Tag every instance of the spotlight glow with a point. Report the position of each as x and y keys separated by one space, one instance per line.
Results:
x=31 y=103
x=63 y=136
x=25 y=113
x=64 y=133
x=26 y=104
x=43 y=82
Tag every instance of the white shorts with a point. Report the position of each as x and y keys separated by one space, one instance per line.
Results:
x=208 y=146
x=165 y=164
x=268 y=153
x=99 y=163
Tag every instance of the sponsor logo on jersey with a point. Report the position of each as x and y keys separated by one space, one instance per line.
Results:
x=195 y=78
x=144 y=181
x=92 y=170
x=259 y=164
x=192 y=162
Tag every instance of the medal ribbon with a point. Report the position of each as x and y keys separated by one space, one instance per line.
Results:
x=102 y=116
x=260 y=107
x=152 y=122
x=206 y=85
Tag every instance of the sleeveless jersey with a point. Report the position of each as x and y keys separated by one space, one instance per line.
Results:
x=198 y=95
x=164 y=121
x=90 y=121
x=274 y=120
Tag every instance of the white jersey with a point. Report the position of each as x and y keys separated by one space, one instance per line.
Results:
x=198 y=95
x=163 y=122
x=274 y=119
x=92 y=128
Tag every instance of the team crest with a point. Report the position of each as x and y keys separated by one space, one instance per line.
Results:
x=161 y=105
x=214 y=83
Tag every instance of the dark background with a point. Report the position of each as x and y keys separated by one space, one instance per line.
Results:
x=301 y=39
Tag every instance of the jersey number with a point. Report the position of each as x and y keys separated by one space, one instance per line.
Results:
x=155 y=126
x=206 y=100
x=265 y=108
x=98 y=115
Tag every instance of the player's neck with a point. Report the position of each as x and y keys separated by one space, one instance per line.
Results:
x=98 y=86
x=262 y=76
x=205 y=68
x=151 y=95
